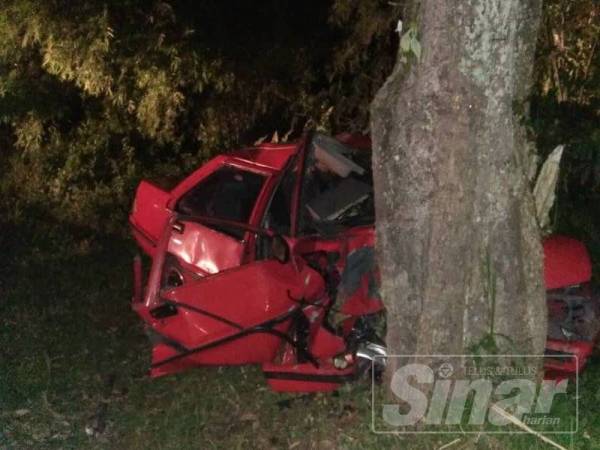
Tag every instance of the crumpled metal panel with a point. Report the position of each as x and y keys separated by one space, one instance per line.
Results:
x=206 y=249
x=233 y=303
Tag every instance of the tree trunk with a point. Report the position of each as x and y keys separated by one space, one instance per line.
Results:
x=458 y=244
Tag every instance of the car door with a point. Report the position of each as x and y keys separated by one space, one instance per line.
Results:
x=237 y=316
x=149 y=215
x=229 y=192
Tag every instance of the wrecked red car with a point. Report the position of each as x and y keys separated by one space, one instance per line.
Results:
x=265 y=255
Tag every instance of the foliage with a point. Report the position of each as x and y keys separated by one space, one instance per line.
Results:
x=568 y=66
x=409 y=43
x=363 y=59
x=95 y=95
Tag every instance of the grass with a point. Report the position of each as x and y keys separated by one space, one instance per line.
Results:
x=73 y=357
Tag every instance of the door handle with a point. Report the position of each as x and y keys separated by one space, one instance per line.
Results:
x=178 y=226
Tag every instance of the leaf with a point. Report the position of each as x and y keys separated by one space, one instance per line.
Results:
x=405 y=42
x=415 y=47
x=545 y=186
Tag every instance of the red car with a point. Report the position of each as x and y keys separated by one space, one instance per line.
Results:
x=265 y=255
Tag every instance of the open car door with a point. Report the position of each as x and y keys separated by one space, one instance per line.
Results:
x=237 y=316
x=149 y=215
x=229 y=192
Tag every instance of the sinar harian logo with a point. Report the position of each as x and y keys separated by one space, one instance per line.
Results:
x=436 y=395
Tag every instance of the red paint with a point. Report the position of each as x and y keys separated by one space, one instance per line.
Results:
x=247 y=295
x=566 y=262
x=576 y=354
x=149 y=215
x=205 y=249
x=324 y=343
x=361 y=303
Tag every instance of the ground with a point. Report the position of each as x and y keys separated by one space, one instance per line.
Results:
x=73 y=361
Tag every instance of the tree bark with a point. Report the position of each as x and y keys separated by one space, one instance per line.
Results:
x=457 y=240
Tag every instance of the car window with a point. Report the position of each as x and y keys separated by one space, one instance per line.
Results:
x=229 y=193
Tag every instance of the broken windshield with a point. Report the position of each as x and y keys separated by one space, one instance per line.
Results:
x=337 y=188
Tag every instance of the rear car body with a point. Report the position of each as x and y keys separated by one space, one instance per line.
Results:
x=573 y=306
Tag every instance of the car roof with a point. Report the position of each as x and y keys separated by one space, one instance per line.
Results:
x=274 y=156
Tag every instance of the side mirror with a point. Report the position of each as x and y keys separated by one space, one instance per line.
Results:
x=280 y=250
